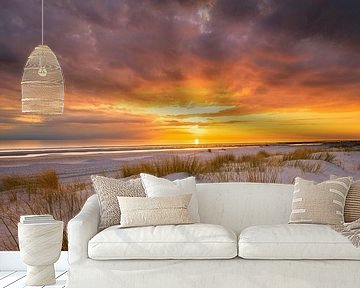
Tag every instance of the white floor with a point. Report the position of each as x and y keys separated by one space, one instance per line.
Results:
x=16 y=279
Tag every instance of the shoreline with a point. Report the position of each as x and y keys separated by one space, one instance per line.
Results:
x=94 y=150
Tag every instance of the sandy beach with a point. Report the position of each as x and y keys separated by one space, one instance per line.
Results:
x=79 y=164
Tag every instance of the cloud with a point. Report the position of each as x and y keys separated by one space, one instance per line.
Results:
x=234 y=10
x=150 y=55
x=336 y=21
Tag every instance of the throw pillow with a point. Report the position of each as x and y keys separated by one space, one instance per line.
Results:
x=160 y=187
x=140 y=211
x=107 y=190
x=320 y=203
x=352 y=202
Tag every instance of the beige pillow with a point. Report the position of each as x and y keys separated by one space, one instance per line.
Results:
x=138 y=211
x=321 y=203
x=107 y=190
x=352 y=203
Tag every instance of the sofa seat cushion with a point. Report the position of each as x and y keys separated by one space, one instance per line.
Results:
x=295 y=241
x=191 y=241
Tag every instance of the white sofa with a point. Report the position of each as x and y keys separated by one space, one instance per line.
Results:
x=249 y=221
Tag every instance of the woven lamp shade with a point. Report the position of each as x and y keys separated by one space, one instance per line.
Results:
x=42 y=83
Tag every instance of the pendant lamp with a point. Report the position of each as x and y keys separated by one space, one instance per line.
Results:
x=42 y=83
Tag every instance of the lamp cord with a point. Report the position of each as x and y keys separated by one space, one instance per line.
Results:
x=42 y=22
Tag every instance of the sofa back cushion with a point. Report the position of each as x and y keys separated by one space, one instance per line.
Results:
x=239 y=205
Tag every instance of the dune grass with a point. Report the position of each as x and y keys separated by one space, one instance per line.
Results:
x=325 y=156
x=220 y=168
x=38 y=194
x=306 y=167
x=298 y=154
x=261 y=167
x=191 y=165
x=254 y=160
x=258 y=175
x=164 y=166
x=218 y=161
x=48 y=180
x=309 y=154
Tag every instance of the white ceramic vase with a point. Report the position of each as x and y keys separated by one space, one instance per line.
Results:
x=40 y=247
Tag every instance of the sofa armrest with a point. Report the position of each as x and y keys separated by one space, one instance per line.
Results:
x=82 y=228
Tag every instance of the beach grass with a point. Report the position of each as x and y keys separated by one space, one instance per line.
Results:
x=221 y=168
x=262 y=167
x=255 y=160
x=306 y=166
x=47 y=179
x=218 y=161
x=163 y=166
x=38 y=194
x=258 y=175
x=310 y=154
x=191 y=165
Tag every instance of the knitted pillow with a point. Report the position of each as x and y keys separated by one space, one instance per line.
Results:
x=107 y=190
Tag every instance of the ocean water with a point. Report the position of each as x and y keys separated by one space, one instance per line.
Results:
x=33 y=148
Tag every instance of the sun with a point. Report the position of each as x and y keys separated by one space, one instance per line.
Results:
x=196 y=141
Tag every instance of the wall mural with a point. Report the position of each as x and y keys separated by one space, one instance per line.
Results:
x=226 y=90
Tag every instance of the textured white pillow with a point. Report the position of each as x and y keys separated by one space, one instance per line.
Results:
x=160 y=187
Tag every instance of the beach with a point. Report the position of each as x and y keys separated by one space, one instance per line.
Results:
x=79 y=163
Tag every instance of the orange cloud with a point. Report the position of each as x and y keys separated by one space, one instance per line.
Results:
x=151 y=75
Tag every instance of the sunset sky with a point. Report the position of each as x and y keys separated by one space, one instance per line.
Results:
x=165 y=72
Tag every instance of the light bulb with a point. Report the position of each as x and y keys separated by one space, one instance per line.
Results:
x=42 y=71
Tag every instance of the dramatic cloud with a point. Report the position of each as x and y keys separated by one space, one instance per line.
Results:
x=149 y=71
